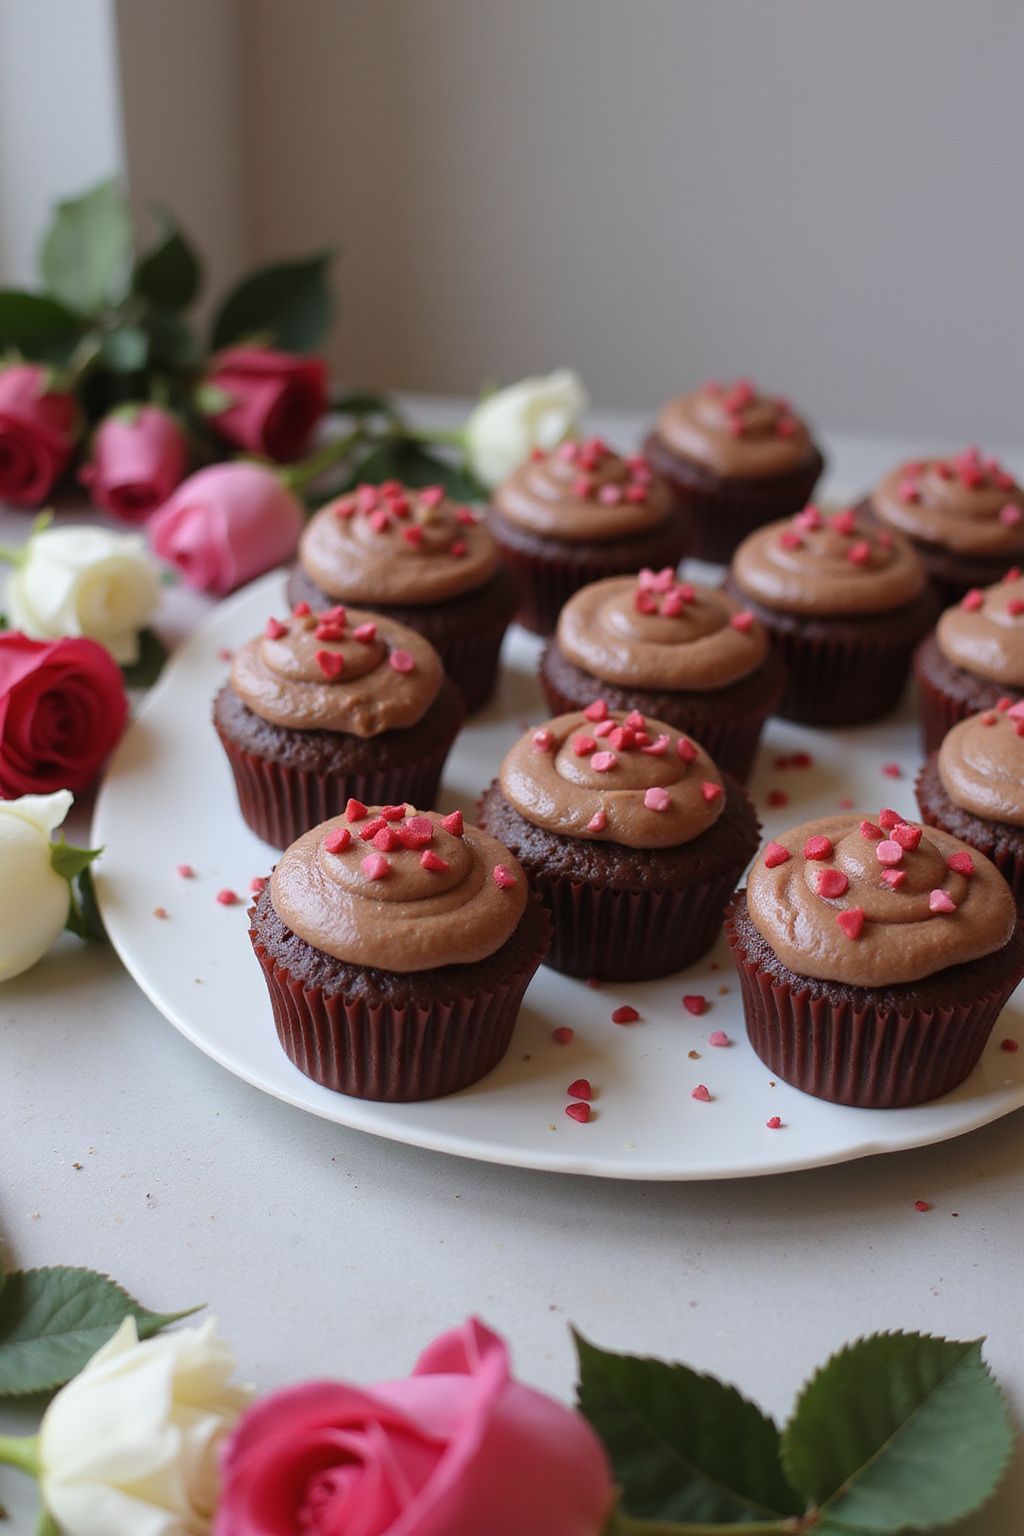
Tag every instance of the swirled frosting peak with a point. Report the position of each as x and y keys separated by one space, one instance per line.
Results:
x=583 y=492
x=613 y=777
x=654 y=631
x=399 y=890
x=389 y=544
x=984 y=632
x=966 y=503
x=981 y=764
x=876 y=902
x=734 y=429
x=828 y=564
x=338 y=670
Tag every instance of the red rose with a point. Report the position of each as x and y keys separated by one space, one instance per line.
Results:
x=62 y=708
x=277 y=400
x=38 y=426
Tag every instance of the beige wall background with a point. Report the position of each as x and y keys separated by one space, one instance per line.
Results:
x=824 y=194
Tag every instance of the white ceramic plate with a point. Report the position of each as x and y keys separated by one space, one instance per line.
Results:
x=168 y=799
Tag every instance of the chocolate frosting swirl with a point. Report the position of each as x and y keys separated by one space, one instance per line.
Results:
x=338 y=670
x=735 y=431
x=876 y=904
x=653 y=631
x=981 y=764
x=583 y=493
x=612 y=777
x=399 y=891
x=984 y=632
x=818 y=564
x=965 y=503
x=389 y=544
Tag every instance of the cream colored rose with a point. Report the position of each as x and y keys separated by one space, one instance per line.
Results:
x=84 y=581
x=34 y=899
x=535 y=413
x=130 y=1447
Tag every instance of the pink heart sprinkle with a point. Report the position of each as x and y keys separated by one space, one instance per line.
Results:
x=434 y=862
x=503 y=878
x=973 y=600
x=818 y=848
x=743 y=621
x=627 y=1014
x=655 y=748
x=868 y=829
x=686 y=749
x=635 y=720
x=331 y=663
x=543 y=741
x=583 y=745
x=941 y=901
x=355 y=810
x=790 y=539
x=365 y=633
x=598 y=822
x=832 y=883
x=718 y=1037
x=603 y=762
x=851 y=921
x=275 y=629
x=401 y=661
x=338 y=840
x=227 y=898
x=385 y=840
x=563 y=1034
x=1010 y=515
x=375 y=866
x=416 y=832
x=888 y=851
x=710 y=791
x=597 y=711
x=701 y=1094
x=809 y=519
x=657 y=799
x=894 y=877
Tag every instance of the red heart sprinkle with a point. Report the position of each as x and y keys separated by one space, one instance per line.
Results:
x=413 y=535
x=701 y=1094
x=894 y=877
x=401 y=661
x=453 y=823
x=892 y=770
x=258 y=883
x=543 y=741
x=331 y=663
x=859 y=553
x=393 y=812
x=301 y=611
x=818 y=848
x=921 y=1205
x=603 y=762
x=868 y=829
x=415 y=832
x=185 y=871
x=385 y=840
x=371 y=829
x=695 y=1003
x=962 y=862
x=365 y=633
x=851 y=921
x=580 y=1112
x=887 y=819
x=458 y=549
x=580 y=1089
x=635 y=721
x=434 y=862
x=1009 y=1045
x=710 y=791
x=832 y=883
x=777 y=798
x=598 y=822
x=775 y=854
x=275 y=629
x=583 y=745
x=907 y=836
x=503 y=878
x=627 y=1014
x=973 y=600
x=844 y=523
x=686 y=749
x=940 y=901
x=563 y=1034
x=597 y=711
x=774 y=1124
x=355 y=810
x=743 y=621
x=227 y=898
x=338 y=840
x=375 y=866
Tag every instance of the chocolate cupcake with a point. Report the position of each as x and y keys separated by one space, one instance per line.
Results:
x=325 y=707
x=974 y=660
x=577 y=514
x=963 y=514
x=396 y=947
x=735 y=459
x=685 y=654
x=419 y=558
x=844 y=602
x=630 y=836
x=874 y=959
x=973 y=788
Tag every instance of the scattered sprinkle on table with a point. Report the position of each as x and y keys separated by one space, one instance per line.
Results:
x=701 y=1094
x=580 y=1089
x=578 y=1111
x=718 y=1037
x=892 y=770
x=563 y=1034
x=921 y=1205
x=186 y=872
x=1008 y=1045
x=159 y=911
x=695 y=1003
x=227 y=897
x=627 y=1014
x=257 y=884
x=777 y=798
x=775 y=1123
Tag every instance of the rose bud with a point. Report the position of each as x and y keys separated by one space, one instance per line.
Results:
x=139 y=455
x=227 y=524
x=276 y=400
x=38 y=428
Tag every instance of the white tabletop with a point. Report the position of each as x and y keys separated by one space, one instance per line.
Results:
x=323 y=1251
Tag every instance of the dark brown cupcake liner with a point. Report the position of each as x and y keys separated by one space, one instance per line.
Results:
x=466 y=632
x=843 y=671
x=860 y=1052
x=999 y=841
x=280 y=802
x=399 y=1053
x=723 y=512
x=549 y=571
x=615 y=934
x=729 y=737
x=947 y=694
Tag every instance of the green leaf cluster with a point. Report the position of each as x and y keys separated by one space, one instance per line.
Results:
x=898 y=1432
x=52 y=1321
x=75 y=866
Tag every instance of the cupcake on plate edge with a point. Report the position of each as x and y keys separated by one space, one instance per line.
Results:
x=974 y=658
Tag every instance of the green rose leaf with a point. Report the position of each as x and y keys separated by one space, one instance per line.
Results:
x=405 y=459
x=169 y=273
x=74 y=866
x=37 y=326
x=87 y=249
x=124 y=350
x=172 y=344
x=363 y=402
x=683 y=1447
x=144 y=672
x=52 y=1321
x=288 y=306
x=898 y=1432
x=68 y=861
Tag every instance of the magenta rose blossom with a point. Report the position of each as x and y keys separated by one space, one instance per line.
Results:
x=456 y=1449
x=62 y=709
x=38 y=426
x=227 y=524
x=139 y=455
x=277 y=400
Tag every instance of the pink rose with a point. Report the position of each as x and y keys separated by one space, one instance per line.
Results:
x=139 y=455
x=456 y=1449
x=38 y=426
x=226 y=524
x=277 y=400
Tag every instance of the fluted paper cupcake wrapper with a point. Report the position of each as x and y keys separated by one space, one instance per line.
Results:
x=731 y=744
x=858 y=1053
x=615 y=934
x=846 y=681
x=390 y=1052
x=471 y=661
x=940 y=711
x=280 y=803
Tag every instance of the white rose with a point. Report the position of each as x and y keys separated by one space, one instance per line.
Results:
x=505 y=427
x=34 y=899
x=130 y=1447
x=84 y=581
